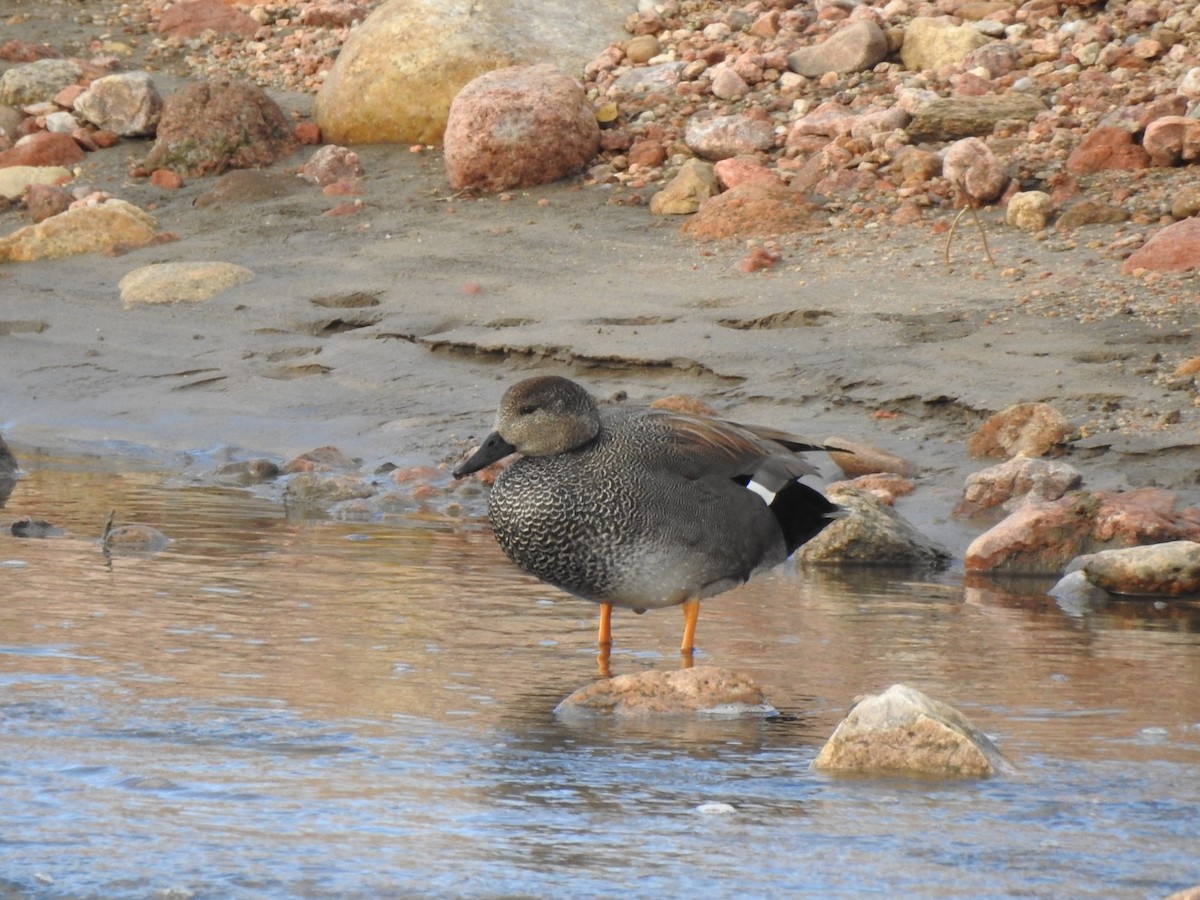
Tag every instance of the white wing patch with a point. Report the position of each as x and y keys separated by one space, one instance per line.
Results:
x=762 y=490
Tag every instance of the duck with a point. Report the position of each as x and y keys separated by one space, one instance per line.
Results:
x=639 y=507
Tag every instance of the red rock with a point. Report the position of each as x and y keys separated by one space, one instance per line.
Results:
x=191 y=18
x=307 y=133
x=67 y=96
x=1172 y=139
x=15 y=51
x=331 y=164
x=211 y=126
x=855 y=47
x=738 y=170
x=1027 y=429
x=1043 y=538
x=518 y=127
x=1104 y=148
x=344 y=209
x=43 y=148
x=44 y=201
x=755 y=209
x=647 y=154
x=165 y=178
x=757 y=259
x=1175 y=248
x=326 y=14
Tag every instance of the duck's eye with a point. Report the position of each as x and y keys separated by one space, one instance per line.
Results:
x=528 y=409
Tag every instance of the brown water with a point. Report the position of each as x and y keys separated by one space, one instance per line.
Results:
x=281 y=708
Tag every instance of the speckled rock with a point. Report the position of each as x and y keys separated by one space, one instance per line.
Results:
x=721 y=137
x=949 y=118
x=518 y=127
x=903 y=731
x=1107 y=147
x=703 y=690
x=974 y=171
x=1172 y=139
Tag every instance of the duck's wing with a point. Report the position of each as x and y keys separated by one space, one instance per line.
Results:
x=699 y=446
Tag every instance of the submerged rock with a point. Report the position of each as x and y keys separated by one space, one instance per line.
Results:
x=703 y=690
x=904 y=732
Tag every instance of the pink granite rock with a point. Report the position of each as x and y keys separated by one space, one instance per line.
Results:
x=1104 y=148
x=1175 y=248
x=518 y=127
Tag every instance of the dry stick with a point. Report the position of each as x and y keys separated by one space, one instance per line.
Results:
x=982 y=233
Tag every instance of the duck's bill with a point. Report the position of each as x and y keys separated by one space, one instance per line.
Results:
x=494 y=448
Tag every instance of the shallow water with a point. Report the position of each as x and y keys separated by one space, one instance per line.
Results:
x=283 y=708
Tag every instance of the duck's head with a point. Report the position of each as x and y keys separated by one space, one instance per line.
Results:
x=541 y=416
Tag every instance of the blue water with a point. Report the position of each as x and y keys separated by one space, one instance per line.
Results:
x=282 y=708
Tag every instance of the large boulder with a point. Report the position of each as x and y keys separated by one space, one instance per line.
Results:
x=402 y=66
x=519 y=127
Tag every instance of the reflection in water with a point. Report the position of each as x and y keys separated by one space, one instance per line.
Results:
x=287 y=708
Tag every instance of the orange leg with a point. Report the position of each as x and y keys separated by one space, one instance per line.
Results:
x=604 y=639
x=691 y=613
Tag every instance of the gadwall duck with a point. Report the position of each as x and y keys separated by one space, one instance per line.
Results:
x=642 y=508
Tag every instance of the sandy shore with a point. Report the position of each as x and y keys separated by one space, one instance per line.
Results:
x=391 y=332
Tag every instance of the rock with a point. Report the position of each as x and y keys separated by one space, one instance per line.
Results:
x=1172 y=139
x=728 y=84
x=44 y=201
x=933 y=43
x=904 y=732
x=639 y=80
x=37 y=81
x=1091 y=212
x=331 y=164
x=1026 y=429
x=703 y=690
x=683 y=194
x=132 y=540
x=1170 y=569
x=310 y=490
x=974 y=171
x=180 y=282
x=242 y=186
x=18 y=51
x=1074 y=594
x=247 y=472
x=647 y=153
x=9 y=467
x=1186 y=202
x=736 y=170
x=854 y=47
x=642 y=49
x=1015 y=483
x=191 y=18
x=1028 y=210
x=518 y=127
x=1042 y=538
x=322 y=459
x=1175 y=248
x=1104 y=148
x=830 y=119
x=85 y=229
x=15 y=179
x=332 y=14
x=720 y=137
x=401 y=67
x=42 y=148
x=128 y=104
x=35 y=529
x=950 y=118
x=872 y=534
x=755 y=209
x=1192 y=893
x=211 y=126
x=856 y=458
